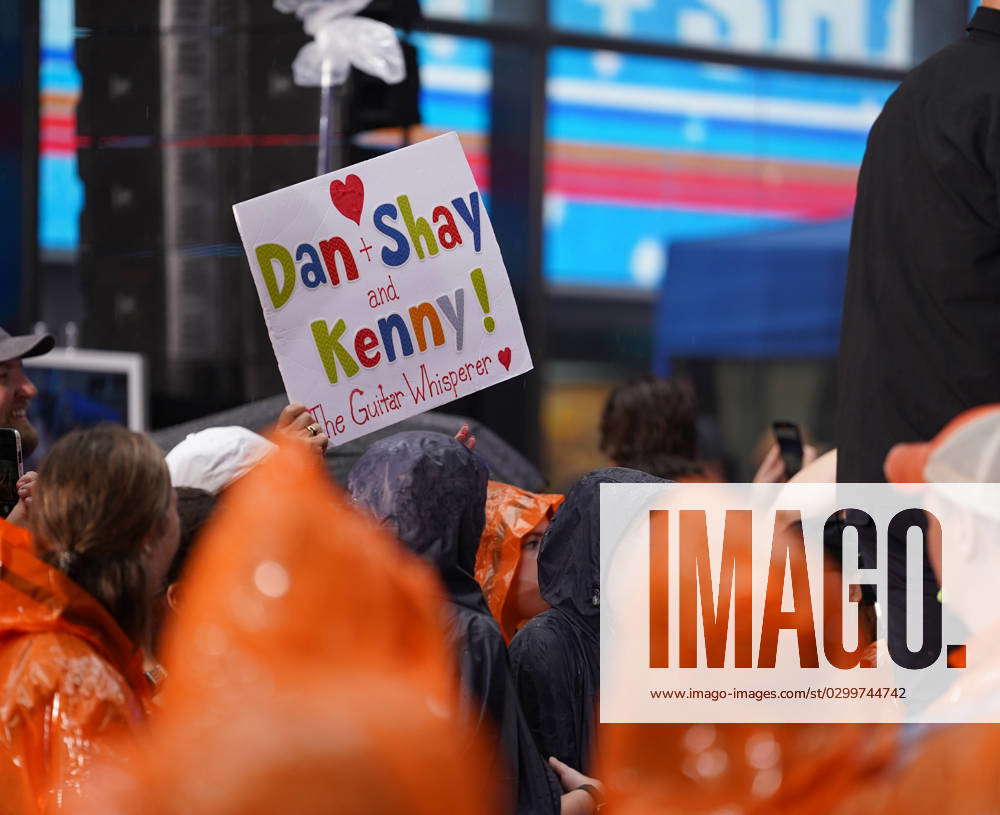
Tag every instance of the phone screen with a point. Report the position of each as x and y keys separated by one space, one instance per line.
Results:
x=790 y=444
x=11 y=468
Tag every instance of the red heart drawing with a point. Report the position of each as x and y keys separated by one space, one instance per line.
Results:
x=504 y=356
x=349 y=197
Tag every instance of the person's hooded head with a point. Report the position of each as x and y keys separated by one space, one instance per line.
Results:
x=555 y=656
x=430 y=490
x=507 y=561
x=569 y=559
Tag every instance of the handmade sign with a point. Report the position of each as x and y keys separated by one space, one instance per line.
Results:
x=383 y=288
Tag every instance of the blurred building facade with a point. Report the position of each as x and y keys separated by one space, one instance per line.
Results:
x=602 y=132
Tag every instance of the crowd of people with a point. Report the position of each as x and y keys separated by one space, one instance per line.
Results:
x=222 y=629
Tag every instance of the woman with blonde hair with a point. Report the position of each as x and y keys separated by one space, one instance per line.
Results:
x=77 y=609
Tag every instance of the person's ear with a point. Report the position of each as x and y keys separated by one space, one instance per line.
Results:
x=174 y=596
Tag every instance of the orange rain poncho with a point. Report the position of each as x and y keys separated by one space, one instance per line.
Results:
x=308 y=669
x=948 y=769
x=72 y=691
x=951 y=771
x=751 y=769
x=511 y=514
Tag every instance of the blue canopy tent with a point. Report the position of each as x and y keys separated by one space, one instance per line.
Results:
x=767 y=295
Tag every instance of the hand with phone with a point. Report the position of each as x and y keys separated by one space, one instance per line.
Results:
x=11 y=469
x=21 y=512
x=786 y=457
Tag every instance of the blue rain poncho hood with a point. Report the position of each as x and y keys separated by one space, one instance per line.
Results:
x=555 y=657
x=431 y=491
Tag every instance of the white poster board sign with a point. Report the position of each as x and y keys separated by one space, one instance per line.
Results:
x=383 y=288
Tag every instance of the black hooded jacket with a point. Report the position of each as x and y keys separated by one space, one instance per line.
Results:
x=555 y=657
x=431 y=491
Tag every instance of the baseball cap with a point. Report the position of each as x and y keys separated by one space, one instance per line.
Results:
x=214 y=458
x=966 y=450
x=25 y=345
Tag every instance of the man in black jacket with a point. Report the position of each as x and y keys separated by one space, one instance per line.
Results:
x=920 y=340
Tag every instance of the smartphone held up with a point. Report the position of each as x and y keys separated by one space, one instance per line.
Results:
x=790 y=445
x=11 y=468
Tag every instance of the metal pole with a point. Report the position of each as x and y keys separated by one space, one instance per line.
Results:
x=30 y=272
x=332 y=116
